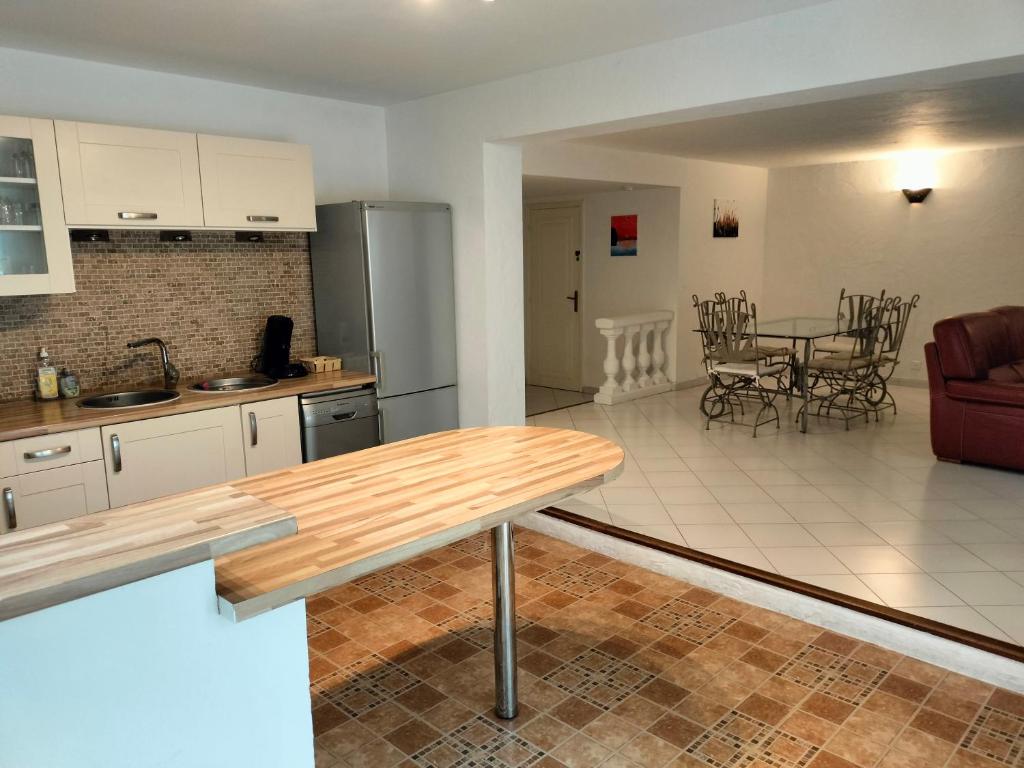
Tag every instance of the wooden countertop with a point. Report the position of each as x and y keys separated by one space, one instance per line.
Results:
x=28 y=418
x=363 y=511
x=56 y=563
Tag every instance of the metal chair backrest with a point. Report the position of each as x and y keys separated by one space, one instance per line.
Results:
x=870 y=334
x=898 y=320
x=735 y=304
x=852 y=309
x=728 y=334
x=705 y=311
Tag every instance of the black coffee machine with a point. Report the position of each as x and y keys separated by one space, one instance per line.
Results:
x=277 y=347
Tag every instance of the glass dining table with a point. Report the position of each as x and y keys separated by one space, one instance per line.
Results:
x=805 y=330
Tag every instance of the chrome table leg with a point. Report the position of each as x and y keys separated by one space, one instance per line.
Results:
x=806 y=386
x=505 y=664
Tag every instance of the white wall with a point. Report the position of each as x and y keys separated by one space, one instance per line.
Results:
x=846 y=225
x=149 y=674
x=702 y=264
x=442 y=147
x=348 y=140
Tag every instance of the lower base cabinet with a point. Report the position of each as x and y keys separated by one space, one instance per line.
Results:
x=270 y=433
x=172 y=454
x=52 y=495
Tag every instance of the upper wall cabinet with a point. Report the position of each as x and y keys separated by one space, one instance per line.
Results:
x=35 y=255
x=113 y=176
x=252 y=184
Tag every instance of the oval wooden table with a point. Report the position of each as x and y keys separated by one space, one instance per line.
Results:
x=363 y=511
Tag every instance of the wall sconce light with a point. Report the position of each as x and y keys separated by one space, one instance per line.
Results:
x=916 y=175
x=916 y=195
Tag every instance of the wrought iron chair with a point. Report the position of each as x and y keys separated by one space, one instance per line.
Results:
x=739 y=304
x=890 y=343
x=738 y=368
x=849 y=318
x=844 y=379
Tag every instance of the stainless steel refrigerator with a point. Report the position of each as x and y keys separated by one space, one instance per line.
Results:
x=385 y=302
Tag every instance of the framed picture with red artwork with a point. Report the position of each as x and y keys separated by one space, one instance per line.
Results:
x=624 y=235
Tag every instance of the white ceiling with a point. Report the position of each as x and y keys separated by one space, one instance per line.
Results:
x=535 y=187
x=372 y=51
x=969 y=115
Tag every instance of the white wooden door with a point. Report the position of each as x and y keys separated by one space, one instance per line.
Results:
x=52 y=495
x=270 y=434
x=35 y=254
x=112 y=175
x=553 y=256
x=252 y=184
x=159 y=457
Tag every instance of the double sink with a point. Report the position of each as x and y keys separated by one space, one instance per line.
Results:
x=142 y=398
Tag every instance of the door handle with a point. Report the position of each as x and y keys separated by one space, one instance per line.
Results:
x=575 y=299
x=378 y=366
x=254 y=433
x=115 y=452
x=12 y=518
x=134 y=215
x=47 y=452
x=262 y=218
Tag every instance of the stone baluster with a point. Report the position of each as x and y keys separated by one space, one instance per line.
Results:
x=629 y=359
x=659 y=376
x=611 y=364
x=644 y=379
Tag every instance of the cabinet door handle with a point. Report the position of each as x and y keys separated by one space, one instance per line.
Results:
x=115 y=452
x=134 y=215
x=12 y=518
x=47 y=452
x=262 y=218
x=254 y=433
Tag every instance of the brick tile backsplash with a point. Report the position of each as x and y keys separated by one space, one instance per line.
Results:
x=208 y=299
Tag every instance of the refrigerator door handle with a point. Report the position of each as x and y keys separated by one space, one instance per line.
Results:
x=378 y=368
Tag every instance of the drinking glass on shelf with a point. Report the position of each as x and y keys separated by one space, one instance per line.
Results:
x=18 y=213
x=33 y=215
x=6 y=211
x=20 y=169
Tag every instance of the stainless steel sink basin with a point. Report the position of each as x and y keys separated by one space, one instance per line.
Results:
x=234 y=384
x=139 y=398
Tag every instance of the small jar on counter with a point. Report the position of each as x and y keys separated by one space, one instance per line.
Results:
x=68 y=383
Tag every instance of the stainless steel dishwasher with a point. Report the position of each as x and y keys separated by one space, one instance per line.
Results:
x=338 y=421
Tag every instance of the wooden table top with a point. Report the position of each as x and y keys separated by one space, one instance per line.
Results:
x=28 y=418
x=56 y=563
x=363 y=511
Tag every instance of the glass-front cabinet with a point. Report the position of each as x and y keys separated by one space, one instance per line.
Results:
x=35 y=252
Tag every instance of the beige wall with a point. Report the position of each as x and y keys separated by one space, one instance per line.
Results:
x=845 y=225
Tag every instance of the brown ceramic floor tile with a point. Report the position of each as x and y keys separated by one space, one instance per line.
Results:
x=623 y=668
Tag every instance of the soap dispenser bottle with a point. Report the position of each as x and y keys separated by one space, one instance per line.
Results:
x=46 y=377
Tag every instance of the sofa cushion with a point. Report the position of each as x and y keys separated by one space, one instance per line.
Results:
x=992 y=392
x=1014 y=317
x=971 y=344
x=1011 y=373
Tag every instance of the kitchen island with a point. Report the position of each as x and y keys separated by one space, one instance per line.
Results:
x=205 y=664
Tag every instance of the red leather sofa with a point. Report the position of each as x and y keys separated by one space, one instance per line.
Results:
x=976 y=380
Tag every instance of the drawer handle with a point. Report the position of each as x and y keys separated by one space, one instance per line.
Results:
x=134 y=215
x=12 y=518
x=262 y=218
x=254 y=433
x=47 y=452
x=115 y=452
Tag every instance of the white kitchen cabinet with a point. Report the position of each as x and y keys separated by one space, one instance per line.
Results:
x=116 y=176
x=253 y=184
x=158 y=457
x=270 y=433
x=51 y=495
x=32 y=454
x=35 y=254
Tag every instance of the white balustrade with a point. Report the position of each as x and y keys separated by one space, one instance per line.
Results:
x=640 y=371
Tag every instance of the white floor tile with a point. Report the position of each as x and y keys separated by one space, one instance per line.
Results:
x=843 y=534
x=1002 y=557
x=880 y=559
x=938 y=510
x=686 y=495
x=994 y=509
x=639 y=514
x=720 y=478
x=672 y=479
x=797 y=493
x=718 y=536
x=698 y=514
x=908 y=533
x=963 y=617
x=944 y=558
x=983 y=588
x=904 y=590
x=876 y=511
x=630 y=496
x=1009 y=618
x=662 y=465
x=817 y=512
x=780 y=535
x=740 y=494
x=972 y=531
x=802 y=561
x=710 y=464
x=763 y=512
x=769 y=477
